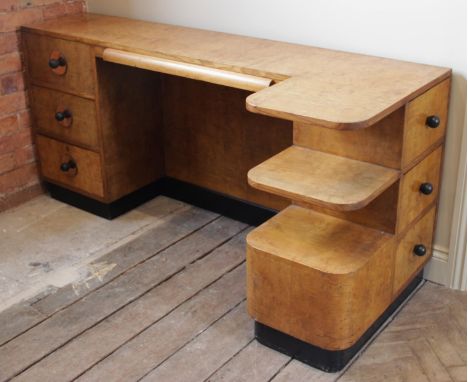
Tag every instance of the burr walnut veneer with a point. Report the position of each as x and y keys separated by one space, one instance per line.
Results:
x=342 y=150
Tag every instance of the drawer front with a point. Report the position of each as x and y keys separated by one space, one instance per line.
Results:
x=74 y=74
x=418 y=135
x=66 y=117
x=413 y=251
x=85 y=176
x=418 y=189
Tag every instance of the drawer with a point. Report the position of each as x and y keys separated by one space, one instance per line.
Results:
x=415 y=193
x=76 y=75
x=418 y=135
x=79 y=116
x=413 y=251
x=85 y=175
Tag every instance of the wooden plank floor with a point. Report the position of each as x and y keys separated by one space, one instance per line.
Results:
x=172 y=308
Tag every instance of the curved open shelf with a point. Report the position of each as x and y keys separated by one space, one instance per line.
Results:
x=322 y=179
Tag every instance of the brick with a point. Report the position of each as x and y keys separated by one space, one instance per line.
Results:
x=75 y=7
x=37 y=3
x=11 y=21
x=11 y=83
x=14 y=199
x=10 y=62
x=7 y=162
x=18 y=178
x=8 y=42
x=10 y=143
x=8 y=5
x=54 y=10
x=63 y=8
x=24 y=155
x=13 y=102
x=24 y=119
x=8 y=125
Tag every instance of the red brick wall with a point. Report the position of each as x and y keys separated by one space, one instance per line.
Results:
x=18 y=171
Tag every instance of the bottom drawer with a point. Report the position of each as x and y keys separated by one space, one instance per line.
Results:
x=70 y=166
x=413 y=251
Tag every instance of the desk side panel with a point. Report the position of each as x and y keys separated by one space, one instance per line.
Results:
x=129 y=102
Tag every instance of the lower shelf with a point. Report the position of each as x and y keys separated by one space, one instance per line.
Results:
x=328 y=360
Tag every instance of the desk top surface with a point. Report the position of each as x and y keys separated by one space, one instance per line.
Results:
x=331 y=88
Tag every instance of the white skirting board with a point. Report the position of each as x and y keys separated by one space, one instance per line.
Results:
x=440 y=271
x=437 y=270
x=448 y=266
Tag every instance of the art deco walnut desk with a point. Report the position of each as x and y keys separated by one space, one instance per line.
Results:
x=347 y=147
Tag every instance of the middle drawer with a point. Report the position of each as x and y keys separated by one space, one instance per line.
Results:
x=419 y=188
x=66 y=117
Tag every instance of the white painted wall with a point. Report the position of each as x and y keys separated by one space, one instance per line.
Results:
x=424 y=31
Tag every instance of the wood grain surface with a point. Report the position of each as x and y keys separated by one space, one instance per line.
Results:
x=211 y=140
x=380 y=143
x=418 y=137
x=131 y=127
x=88 y=174
x=323 y=179
x=411 y=200
x=407 y=264
x=331 y=88
x=380 y=214
x=327 y=279
x=83 y=128
x=310 y=239
x=79 y=77
x=194 y=72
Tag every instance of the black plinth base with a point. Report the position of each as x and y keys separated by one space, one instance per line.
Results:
x=105 y=210
x=201 y=197
x=222 y=204
x=326 y=360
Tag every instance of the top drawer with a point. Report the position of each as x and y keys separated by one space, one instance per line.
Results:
x=425 y=121
x=60 y=64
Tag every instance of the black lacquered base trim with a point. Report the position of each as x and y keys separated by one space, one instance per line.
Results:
x=327 y=360
x=198 y=196
x=214 y=201
x=105 y=210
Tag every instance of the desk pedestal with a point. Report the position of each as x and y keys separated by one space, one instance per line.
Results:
x=329 y=360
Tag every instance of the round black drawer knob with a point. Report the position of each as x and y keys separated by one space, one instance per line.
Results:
x=54 y=63
x=433 y=121
x=66 y=166
x=419 y=250
x=61 y=115
x=426 y=188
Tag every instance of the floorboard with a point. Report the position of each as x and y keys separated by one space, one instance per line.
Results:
x=66 y=324
x=169 y=230
x=103 y=339
x=16 y=320
x=163 y=232
x=208 y=351
x=253 y=363
x=157 y=343
x=47 y=243
x=167 y=303
x=299 y=372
